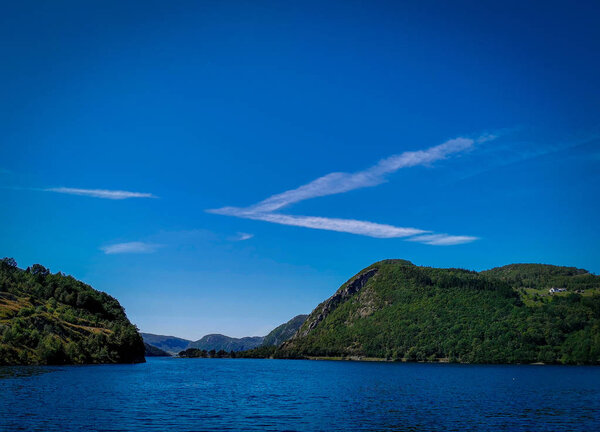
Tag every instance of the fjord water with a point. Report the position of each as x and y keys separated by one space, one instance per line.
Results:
x=241 y=394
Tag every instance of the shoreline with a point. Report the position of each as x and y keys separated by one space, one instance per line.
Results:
x=311 y=358
x=384 y=360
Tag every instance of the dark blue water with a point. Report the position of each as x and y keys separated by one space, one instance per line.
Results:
x=234 y=394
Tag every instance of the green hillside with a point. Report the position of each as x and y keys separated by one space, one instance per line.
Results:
x=396 y=310
x=50 y=318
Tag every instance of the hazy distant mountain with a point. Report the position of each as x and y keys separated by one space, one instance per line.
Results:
x=152 y=351
x=520 y=313
x=221 y=342
x=285 y=331
x=170 y=344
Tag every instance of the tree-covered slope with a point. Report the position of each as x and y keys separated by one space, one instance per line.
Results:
x=55 y=319
x=396 y=310
x=285 y=331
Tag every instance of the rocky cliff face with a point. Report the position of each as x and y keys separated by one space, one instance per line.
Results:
x=346 y=291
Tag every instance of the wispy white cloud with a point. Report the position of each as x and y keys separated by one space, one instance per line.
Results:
x=130 y=247
x=516 y=148
x=241 y=236
x=340 y=182
x=442 y=239
x=101 y=193
x=352 y=226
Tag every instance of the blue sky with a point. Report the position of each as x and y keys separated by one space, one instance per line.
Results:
x=222 y=167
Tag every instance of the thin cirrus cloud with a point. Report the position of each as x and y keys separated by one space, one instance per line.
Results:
x=101 y=193
x=442 y=239
x=244 y=236
x=340 y=182
x=352 y=226
x=240 y=236
x=130 y=248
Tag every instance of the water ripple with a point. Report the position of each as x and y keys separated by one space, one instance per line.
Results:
x=258 y=395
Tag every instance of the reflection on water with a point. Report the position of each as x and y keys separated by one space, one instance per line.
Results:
x=23 y=371
x=237 y=394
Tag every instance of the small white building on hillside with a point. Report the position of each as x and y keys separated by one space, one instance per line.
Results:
x=556 y=290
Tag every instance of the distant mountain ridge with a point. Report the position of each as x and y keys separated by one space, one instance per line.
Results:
x=218 y=342
x=170 y=344
x=152 y=351
x=283 y=332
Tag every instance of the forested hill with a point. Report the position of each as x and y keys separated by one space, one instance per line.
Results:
x=50 y=318
x=399 y=311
